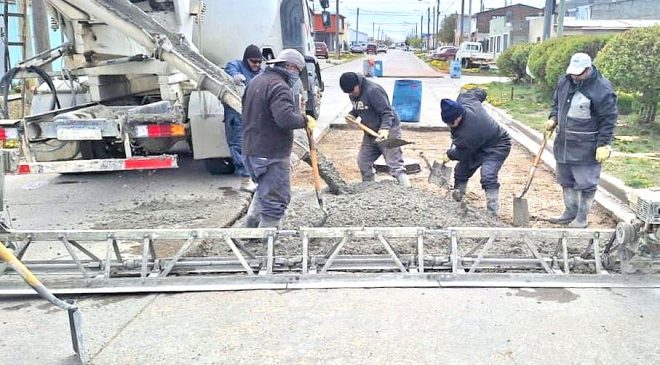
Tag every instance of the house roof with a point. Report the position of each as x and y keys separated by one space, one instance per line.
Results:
x=609 y=24
x=505 y=7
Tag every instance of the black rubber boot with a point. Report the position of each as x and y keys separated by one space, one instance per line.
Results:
x=253 y=213
x=571 y=199
x=459 y=191
x=584 y=206
x=368 y=178
x=267 y=222
x=493 y=201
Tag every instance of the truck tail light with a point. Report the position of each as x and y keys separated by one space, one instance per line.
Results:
x=7 y=134
x=159 y=130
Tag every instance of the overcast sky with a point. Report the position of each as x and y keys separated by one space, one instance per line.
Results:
x=398 y=17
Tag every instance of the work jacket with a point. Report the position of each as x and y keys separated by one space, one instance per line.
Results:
x=478 y=137
x=373 y=106
x=586 y=115
x=269 y=116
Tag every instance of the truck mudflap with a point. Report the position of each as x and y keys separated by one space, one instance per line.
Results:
x=98 y=165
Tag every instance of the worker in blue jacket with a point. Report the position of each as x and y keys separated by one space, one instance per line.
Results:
x=477 y=141
x=241 y=71
x=584 y=113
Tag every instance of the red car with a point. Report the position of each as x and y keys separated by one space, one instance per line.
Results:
x=445 y=54
x=321 y=49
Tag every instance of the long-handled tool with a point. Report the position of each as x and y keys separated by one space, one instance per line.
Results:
x=315 y=171
x=75 y=318
x=440 y=173
x=390 y=142
x=520 y=207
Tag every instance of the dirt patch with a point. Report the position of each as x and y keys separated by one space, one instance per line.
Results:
x=544 y=197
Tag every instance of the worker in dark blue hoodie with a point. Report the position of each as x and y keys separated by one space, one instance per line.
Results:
x=477 y=141
x=242 y=71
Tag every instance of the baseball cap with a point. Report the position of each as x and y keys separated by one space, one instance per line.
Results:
x=291 y=56
x=579 y=62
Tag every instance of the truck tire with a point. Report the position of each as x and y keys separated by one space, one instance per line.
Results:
x=219 y=166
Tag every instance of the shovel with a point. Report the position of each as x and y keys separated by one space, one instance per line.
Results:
x=315 y=171
x=440 y=173
x=520 y=208
x=382 y=142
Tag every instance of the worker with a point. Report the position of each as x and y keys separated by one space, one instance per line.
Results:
x=269 y=118
x=584 y=112
x=477 y=141
x=371 y=103
x=241 y=71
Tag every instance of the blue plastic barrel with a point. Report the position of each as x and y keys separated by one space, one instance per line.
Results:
x=378 y=68
x=455 y=69
x=407 y=99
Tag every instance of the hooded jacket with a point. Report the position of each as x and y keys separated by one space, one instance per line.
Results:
x=373 y=106
x=269 y=116
x=586 y=115
x=478 y=137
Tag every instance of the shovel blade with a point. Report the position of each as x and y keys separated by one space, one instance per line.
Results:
x=520 y=212
x=393 y=143
x=75 y=326
x=440 y=174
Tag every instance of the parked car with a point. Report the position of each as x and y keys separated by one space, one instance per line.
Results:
x=372 y=48
x=356 y=48
x=382 y=48
x=321 y=49
x=445 y=53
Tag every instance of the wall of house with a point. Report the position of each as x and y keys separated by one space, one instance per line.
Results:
x=513 y=12
x=625 y=9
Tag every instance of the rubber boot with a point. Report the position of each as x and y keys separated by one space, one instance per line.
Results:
x=253 y=214
x=571 y=199
x=368 y=178
x=459 y=191
x=267 y=222
x=493 y=201
x=403 y=180
x=584 y=206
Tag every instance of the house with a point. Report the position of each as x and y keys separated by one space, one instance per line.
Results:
x=328 y=34
x=513 y=24
x=574 y=26
x=358 y=37
x=612 y=9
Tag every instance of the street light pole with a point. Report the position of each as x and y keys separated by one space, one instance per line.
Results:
x=337 y=33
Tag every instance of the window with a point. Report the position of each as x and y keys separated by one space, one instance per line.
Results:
x=505 y=42
x=498 y=44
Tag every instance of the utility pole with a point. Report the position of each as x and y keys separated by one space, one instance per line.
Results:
x=337 y=34
x=433 y=38
x=560 y=18
x=40 y=25
x=428 y=26
x=357 y=27
x=547 y=20
x=421 y=29
x=437 y=22
x=460 y=37
x=470 y=18
x=373 y=31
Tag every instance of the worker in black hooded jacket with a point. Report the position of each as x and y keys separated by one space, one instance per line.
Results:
x=477 y=141
x=584 y=113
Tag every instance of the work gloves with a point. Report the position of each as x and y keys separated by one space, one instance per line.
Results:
x=603 y=153
x=239 y=79
x=311 y=122
x=549 y=127
x=383 y=133
x=445 y=158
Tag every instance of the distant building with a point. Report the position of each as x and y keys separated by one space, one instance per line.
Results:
x=511 y=22
x=358 y=37
x=613 y=9
x=327 y=35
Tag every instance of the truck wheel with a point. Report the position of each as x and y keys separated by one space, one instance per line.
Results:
x=219 y=166
x=465 y=62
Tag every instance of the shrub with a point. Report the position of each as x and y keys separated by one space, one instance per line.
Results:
x=513 y=61
x=624 y=103
x=631 y=61
x=560 y=56
x=538 y=57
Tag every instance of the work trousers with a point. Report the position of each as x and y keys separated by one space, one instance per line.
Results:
x=272 y=176
x=370 y=151
x=579 y=177
x=234 y=135
x=490 y=170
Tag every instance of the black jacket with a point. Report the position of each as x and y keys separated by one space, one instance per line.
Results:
x=478 y=137
x=586 y=115
x=373 y=106
x=269 y=116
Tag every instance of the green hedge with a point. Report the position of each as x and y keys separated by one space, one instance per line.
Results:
x=513 y=61
x=538 y=58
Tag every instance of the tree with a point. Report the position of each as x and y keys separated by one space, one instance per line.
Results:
x=560 y=56
x=631 y=61
x=447 y=29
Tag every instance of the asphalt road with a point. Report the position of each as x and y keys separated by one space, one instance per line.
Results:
x=351 y=326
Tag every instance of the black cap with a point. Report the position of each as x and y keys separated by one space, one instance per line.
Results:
x=251 y=52
x=348 y=81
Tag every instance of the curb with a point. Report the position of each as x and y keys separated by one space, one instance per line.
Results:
x=613 y=194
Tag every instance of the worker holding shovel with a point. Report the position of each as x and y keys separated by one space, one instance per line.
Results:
x=477 y=141
x=584 y=113
x=372 y=105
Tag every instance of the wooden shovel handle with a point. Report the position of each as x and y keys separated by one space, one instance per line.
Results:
x=358 y=122
x=314 y=160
